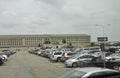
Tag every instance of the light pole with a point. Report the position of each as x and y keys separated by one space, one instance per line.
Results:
x=102 y=40
x=103 y=28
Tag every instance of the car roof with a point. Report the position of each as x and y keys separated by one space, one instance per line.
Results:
x=79 y=55
x=93 y=69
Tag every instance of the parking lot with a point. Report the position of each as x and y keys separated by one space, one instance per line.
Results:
x=25 y=65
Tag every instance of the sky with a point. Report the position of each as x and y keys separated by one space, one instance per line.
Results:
x=92 y=17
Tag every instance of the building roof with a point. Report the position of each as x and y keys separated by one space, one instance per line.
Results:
x=42 y=35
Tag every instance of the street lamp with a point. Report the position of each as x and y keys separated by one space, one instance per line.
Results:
x=103 y=28
x=102 y=40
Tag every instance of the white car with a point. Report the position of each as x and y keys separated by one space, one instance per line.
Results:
x=113 y=56
x=56 y=56
x=5 y=58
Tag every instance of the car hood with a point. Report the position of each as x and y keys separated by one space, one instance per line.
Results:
x=71 y=60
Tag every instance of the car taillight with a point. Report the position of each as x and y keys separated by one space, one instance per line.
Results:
x=66 y=58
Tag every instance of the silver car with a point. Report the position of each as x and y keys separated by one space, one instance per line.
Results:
x=92 y=72
x=75 y=60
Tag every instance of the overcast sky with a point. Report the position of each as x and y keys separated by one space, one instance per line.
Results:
x=61 y=17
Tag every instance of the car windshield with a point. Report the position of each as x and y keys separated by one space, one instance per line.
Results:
x=57 y=53
x=75 y=56
x=113 y=55
x=73 y=74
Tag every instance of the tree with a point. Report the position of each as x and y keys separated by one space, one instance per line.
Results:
x=47 y=42
x=118 y=44
x=39 y=45
x=63 y=41
x=70 y=44
x=92 y=44
x=56 y=46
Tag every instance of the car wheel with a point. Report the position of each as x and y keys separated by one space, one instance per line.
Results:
x=116 y=67
x=59 y=59
x=74 y=65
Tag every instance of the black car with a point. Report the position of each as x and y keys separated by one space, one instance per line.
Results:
x=1 y=60
x=98 y=62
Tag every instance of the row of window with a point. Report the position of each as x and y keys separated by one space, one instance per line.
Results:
x=37 y=40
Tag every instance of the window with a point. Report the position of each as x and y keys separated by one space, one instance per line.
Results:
x=74 y=74
x=57 y=53
x=104 y=74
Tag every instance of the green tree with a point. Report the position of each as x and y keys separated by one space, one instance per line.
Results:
x=70 y=44
x=92 y=44
x=39 y=45
x=47 y=42
x=63 y=41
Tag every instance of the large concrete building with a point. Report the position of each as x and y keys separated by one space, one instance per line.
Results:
x=53 y=40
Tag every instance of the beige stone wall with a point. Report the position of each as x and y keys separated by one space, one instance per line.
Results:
x=23 y=42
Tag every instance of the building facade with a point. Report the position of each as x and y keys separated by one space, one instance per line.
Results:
x=53 y=40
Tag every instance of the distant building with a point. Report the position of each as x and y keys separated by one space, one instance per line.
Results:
x=51 y=40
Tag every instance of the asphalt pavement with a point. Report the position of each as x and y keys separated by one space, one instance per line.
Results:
x=25 y=65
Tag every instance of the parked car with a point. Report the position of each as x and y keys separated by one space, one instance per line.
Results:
x=2 y=59
x=41 y=53
x=5 y=57
x=33 y=51
x=46 y=54
x=7 y=52
x=100 y=54
x=75 y=60
x=56 y=56
x=92 y=72
x=98 y=62
x=67 y=55
x=114 y=59
x=4 y=54
x=115 y=55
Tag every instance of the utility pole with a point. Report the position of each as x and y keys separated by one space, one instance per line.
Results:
x=102 y=41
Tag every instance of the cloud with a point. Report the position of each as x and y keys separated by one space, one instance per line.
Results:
x=60 y=16
x=53 y=2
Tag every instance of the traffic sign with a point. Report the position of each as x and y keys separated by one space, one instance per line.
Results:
x=102 y=38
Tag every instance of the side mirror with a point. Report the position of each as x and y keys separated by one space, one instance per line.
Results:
x=77 y=58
